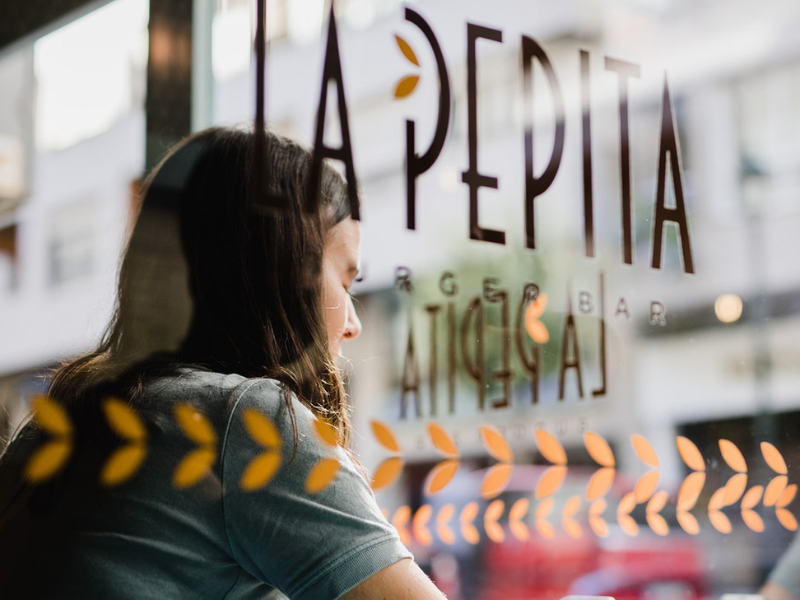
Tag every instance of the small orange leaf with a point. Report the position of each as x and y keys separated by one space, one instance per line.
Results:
x=644 y=451
x=193 y=467
x=550 y=482
x=420 y=525
x=786 y=519
x=195 y=425
x=406 y=86
x=690 y=454
x=626 y=504
x=385 y=436
x=441 y=475
x=260 y=471
x=322 y=475
x=600 y=483
x=597 y=508
x=124 y=420
x=442 y=441
x=494 y=511
x=122 y=465
x=733 y=456
x=571 y=507
x=775 y=489
x=599 y=449
x=735 y=488
x=519 y=509
x=646 y=486
x=401 y=516
x=774 y=458
x=51 y=416
x=657 y=502
x=496 y=444
x=406 y=50
x=442 y=528
x=496 y=480
x=470 y=533
x=658 y=524
x=545 y=529
x=717 y=500
x=536 y=307
x=550 y=448
x=261 y=429
x=752 y=519
x=468 y=530
x=544 y=509
x=519 y=530
x=387 y=473
x=787 y=496
x=537 y=331
x=690 y=490
x=469 y=512
x=599 y=526
x=628 y=525
x=571 y=527
x=752 y=497
x=326 y=432
x=47 y=461
x=720 y=522
x=688 y=523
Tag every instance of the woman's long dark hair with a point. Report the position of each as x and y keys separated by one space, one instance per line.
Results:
x=253 y=292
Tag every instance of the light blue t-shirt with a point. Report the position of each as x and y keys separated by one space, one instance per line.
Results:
x=74 y=538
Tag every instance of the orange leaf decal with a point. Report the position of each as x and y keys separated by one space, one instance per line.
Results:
x=385 y=436
x=545 y=529
x=657 y=502
x=260 y=471
x=261 y=429
x=123 y=464
x=571 y=527
x=752 y=497
x=468 y=531
x=326 y=432
x=571 y=507
x=406 y=86
x=626 y=504
x=735 y=488
x=420 y=525
x=690 y=490
x=688 y=523
x=442 y=528
x=774 y=458
x=51 y=416
x=753 y=520
x=690 y=454
x=550 y=448
x=193 y=467
x=599 y=526
x=599 y=449
x=787 y=496
x=775 y=489
x=124 y=421
x=399 y=521
x=646 y=486
x=658 y=524
x=195 y=425
x=720 y=522
x=550 y=482
x=598 y=508
x=519 y=509
x=322 y=475
x=496 y=444
x=490 y=524
x=628 y=525
x=441 y=475
x=536 y=307
x=717 y=500
x=537 y=331
x=519 y=530
x=406 y=50
x=786 y=519
x=733 y=456
x=442 y=441
x=496 y=480
x=600 y=483
x=544 y=508
x=644 y=451
x=47 y=461
x=387 y=473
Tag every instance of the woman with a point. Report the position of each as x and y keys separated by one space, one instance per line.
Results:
x=204 y=350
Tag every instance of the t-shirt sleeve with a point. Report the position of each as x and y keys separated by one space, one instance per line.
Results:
x=310 y=545
x=787 y=572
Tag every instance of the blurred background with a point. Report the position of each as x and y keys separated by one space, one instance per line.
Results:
x=93 y=93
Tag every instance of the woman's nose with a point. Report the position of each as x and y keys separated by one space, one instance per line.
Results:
x=352 y=326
